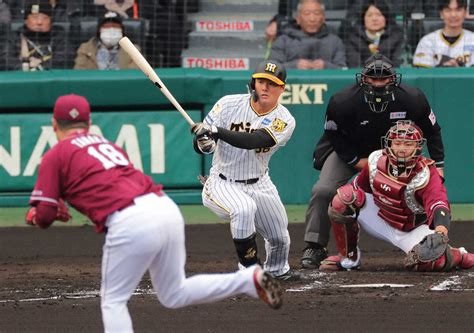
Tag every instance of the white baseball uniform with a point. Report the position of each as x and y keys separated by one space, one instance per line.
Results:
x=433 y=46
x=257 y=206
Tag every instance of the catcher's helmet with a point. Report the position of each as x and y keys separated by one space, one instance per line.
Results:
x=378 y=67
x=404 y=130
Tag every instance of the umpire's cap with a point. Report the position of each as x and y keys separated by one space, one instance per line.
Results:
x=72 y=107
x=271 y=70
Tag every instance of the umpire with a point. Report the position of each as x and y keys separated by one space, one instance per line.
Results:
x=356 y=120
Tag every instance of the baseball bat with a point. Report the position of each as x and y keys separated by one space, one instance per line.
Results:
x=143 y=64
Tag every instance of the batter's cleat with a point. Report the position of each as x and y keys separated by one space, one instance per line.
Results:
x=312 y=257
x=289 y=276
x=268 y=289
x=339 y=263
x=467 y=259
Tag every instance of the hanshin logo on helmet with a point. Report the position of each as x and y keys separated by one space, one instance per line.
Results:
x=271 y=70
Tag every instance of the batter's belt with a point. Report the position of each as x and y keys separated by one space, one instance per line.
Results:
x=242 y=181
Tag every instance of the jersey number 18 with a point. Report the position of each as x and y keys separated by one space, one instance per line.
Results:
x=107 y=155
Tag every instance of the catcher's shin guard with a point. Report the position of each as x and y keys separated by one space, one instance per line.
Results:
x=247 y=250
x=346 y=231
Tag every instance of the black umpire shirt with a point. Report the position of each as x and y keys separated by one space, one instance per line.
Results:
x=354 y=131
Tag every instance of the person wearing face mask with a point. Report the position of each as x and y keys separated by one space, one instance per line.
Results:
x=103 y=51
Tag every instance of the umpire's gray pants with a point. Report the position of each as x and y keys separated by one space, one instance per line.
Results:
x=335 y=173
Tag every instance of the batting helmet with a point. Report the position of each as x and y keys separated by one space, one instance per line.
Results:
x=378 y=67
x=270 y=70
x=403 y=130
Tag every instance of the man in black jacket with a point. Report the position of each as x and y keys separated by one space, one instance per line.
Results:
x=38 y=45
x=356 y=119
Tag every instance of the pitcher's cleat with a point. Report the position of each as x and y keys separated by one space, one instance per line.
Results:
x=268 y=288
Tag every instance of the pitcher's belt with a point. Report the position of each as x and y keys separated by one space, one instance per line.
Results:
x=243 y=181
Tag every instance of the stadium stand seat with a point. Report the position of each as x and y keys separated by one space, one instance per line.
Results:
x=334 y=26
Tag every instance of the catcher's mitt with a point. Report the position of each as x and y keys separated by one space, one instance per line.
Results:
x=429 y=249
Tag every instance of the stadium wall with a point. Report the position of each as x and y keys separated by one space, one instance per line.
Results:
x=129 y=110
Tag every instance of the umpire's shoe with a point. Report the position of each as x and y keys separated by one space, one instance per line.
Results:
x=312 y=256
x=268 y=289
x=289 y=276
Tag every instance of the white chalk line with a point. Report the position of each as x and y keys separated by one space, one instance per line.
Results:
x=78 y=295
x=452 y=283
x=321 y=280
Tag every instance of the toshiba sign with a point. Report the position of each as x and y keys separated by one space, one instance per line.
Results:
x=217 y=63
x=224 y=25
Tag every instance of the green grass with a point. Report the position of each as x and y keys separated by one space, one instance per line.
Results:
x=197 y=214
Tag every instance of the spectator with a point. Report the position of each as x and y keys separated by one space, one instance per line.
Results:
x=5 y=14
x=38 y=45
x=310 y=46
x=451 y=46
x=103 y=50
x=124 y=8
x=281 y=20
x=62 y=10
x=375 y=32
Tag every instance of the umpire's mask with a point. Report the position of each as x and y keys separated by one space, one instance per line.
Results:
x=378 y=80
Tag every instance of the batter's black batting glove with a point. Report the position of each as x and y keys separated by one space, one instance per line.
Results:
x=201 y=129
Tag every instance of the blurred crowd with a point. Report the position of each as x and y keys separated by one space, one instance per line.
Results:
x=304 y=34
x=44 y=34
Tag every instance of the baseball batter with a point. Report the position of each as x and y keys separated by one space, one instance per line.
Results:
x=243 y=132
x=451 y=46
x=144 y=227
x=398 y=197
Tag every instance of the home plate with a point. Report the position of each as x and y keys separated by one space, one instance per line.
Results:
x=376 y=285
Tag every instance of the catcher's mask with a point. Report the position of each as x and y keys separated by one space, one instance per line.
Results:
x=378 y=68
x=404 y=130
x=270 y=70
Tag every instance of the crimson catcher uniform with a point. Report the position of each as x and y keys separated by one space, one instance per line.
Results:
x=401 y=201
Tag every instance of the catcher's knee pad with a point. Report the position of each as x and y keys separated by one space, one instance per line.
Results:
x=247 y=250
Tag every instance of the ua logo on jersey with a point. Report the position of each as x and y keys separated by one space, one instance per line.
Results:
x=385 y=187
x=270 y=67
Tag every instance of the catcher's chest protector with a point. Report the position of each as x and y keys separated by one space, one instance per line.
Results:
x=395 y=197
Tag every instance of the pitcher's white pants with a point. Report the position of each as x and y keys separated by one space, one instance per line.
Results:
x=150 y=236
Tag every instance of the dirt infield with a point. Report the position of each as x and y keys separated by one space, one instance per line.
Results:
x=49 y=282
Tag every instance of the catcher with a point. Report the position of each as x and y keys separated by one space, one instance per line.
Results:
x=398 y=197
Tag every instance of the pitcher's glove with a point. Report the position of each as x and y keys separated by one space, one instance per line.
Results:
x=429 y=249
x=63 y=212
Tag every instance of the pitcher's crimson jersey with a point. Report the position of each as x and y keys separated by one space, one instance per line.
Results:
x=234 y=112
x=433 y=47
x=92 y=174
